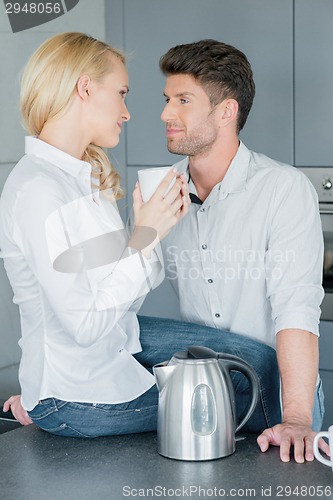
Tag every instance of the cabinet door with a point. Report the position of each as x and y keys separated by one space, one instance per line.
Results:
x=313 y=83
x=262 y=29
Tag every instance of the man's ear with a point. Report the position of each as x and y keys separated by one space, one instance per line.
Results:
x=83 y=86
x=229 y=111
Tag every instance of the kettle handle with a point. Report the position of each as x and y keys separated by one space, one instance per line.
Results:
x=230 y=363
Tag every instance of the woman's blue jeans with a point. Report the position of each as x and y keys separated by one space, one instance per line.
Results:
x=160 y=339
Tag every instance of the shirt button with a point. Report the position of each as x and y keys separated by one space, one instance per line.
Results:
x=204 y=246
x=210 y=280
x=217 y=315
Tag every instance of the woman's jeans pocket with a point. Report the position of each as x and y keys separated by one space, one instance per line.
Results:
x=49 y=416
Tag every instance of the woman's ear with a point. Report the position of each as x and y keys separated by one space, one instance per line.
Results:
x=83 y=86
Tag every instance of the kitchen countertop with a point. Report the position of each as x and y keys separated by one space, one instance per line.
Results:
x=36 y=465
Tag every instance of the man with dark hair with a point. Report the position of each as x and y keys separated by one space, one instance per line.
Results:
x=245 y=259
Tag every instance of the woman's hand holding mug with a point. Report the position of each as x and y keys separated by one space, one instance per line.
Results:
x=166 y=206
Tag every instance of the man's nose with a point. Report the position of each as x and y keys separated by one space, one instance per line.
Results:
x=168 y=113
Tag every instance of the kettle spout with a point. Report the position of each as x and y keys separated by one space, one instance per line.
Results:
x=162 y=372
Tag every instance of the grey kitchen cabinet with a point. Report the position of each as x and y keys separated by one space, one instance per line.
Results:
x=313 y=82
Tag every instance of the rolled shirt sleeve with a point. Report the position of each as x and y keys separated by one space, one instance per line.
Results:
x=294 y=258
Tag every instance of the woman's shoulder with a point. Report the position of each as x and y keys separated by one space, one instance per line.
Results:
x=32 y=170
x=32 y=180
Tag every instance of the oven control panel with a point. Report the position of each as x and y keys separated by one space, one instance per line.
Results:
x=327 y=183
x=322 y=180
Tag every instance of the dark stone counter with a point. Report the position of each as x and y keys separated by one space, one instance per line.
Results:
x=39 y=466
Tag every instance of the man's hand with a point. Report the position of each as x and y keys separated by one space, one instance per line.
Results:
x=290 y=434
x=14 y=404
x=297 y=354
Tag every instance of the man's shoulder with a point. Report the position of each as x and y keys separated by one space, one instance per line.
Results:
x=274 y=169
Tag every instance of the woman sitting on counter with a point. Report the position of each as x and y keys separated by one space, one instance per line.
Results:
x=77 y=303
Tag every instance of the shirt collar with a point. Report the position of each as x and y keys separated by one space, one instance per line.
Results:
x=235 y=178
x=62 y=160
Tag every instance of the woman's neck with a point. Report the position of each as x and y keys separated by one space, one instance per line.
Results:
x=65 y=133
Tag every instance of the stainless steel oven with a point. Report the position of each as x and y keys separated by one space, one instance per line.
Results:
x=322 y=179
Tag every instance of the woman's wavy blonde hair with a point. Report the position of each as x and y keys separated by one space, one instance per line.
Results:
x=48 y=84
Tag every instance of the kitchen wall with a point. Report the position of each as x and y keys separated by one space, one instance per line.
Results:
x=289 y=44
x=15 y=49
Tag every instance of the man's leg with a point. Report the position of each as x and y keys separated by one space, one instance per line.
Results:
x=318 y=408
x=161 y=338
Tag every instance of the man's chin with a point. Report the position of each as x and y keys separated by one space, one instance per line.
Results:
x=174 y=150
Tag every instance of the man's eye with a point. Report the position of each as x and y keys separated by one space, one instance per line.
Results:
x=184 y=101
x=167 y=100
x=123 y=93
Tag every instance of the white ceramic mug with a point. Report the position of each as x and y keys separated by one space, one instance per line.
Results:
x=318 y=455
x=150 y=179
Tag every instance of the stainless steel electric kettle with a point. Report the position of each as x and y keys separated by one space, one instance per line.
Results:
x=196 y=410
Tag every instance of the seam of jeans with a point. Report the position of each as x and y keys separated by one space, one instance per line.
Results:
x=55 y=405
x=59 y=403
x=62 y=427
x=263 y=404
x=321 y=400
x=115 y=411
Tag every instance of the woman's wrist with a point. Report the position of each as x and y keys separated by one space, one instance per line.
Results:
x=143 y=239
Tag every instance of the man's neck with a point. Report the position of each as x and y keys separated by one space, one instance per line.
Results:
x=207 y=171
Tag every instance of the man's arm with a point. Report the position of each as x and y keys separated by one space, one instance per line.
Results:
x=297 y=353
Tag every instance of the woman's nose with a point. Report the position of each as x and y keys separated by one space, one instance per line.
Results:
x=126 y=115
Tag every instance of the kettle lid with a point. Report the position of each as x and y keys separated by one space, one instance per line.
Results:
x=196 y=352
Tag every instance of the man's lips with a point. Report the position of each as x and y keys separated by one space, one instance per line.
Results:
x=173 y=131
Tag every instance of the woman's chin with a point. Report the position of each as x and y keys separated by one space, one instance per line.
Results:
x=107 y=143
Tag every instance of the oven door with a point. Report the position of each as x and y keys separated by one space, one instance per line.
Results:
x=326 y=213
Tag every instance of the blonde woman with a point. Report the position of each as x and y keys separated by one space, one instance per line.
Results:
x=77 y=302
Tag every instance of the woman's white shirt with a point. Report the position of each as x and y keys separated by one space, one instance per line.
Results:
x=77 y=287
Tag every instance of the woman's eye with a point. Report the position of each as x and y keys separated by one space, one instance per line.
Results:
x=123 y=93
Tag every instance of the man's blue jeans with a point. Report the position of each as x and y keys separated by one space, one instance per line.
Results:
x=160 y=339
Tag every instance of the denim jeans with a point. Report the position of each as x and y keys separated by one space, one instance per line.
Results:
x=318 y=408
x=89 y=420
x=160 y=339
